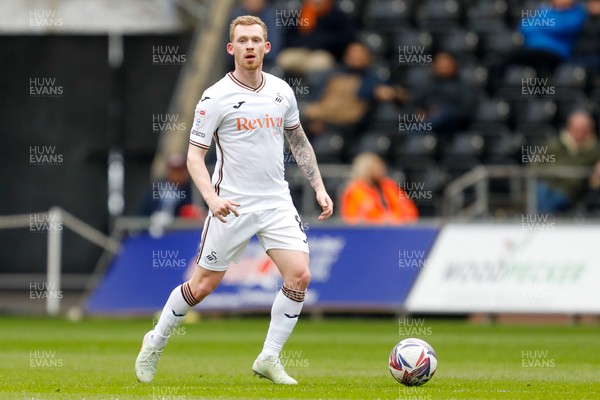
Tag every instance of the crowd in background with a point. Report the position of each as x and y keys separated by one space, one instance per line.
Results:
x=467 y=98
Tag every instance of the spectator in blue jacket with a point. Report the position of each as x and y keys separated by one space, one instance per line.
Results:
x=550 y=33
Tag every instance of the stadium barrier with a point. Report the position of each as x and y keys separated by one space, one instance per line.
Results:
x=518 y=177
x=353 y=269
x=540 y=266
x=53 y=221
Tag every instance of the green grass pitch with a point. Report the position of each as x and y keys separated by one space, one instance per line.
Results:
x=332 y=359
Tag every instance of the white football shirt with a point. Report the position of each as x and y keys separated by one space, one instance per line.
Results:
x=247 y=125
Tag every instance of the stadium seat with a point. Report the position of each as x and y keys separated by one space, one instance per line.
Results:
x=474 y=75
x=536 y=134
x=512 y=82
x=500 y=42
x=465 y=144
x=492 y=111
x=456 y=166
x=413 y=39
x=414 y=146
x=589 y=39
x=439 y=16
x=595 y=96
x=432 y=176
x=410 y=42
x=518 y=7
x=353 y=8
x=410 y=37
x=387 y=15
x=374 y=142
x=459 y=43
x=535 y=111
x=432 y=179
x=329 y=147
x=417 y=76
x=570 y=76
x=570 y=100
x=385 y=118
x=490 y=128
x=487 y=26
x=377 y=42
x=487 y=11
x=502 y=146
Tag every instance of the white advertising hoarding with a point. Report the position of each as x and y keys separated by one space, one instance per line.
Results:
x=532 y=267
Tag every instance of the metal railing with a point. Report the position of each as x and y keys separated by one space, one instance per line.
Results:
x=518 y=176
x=57 y=219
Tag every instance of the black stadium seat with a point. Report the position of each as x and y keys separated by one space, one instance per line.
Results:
x=465 y=144
x=413 y=146
x=490 y=128
x=387 y=15
x=536 y=134
x=412 y=38
x=492 y=111
x=487 y=11
x=501 y=145
x=459 y=43
x=569 y=100
x=512 y=82
x=474 y=75
x=375 y=142
x=417 y=76
x=535 y=111
x=500 y=43
x=570 y=76
x=385 y=118
x=517 y=7
x=377 y=42
x=438 y=16
x=329 y=147
x=455 y=166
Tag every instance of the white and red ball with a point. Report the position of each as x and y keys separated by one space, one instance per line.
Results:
x=413 y=362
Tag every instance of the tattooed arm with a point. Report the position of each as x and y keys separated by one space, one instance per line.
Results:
x=307 y=162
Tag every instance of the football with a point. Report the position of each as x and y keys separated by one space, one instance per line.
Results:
x=413 y=362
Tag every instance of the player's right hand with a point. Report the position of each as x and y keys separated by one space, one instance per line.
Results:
x=221 y=207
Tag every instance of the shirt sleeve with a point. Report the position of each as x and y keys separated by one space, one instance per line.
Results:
x=206 y=121
x=292 y=115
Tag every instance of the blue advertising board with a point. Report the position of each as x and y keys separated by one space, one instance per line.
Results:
x=352 y=268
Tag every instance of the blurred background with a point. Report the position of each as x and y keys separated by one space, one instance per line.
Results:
x=457 y=139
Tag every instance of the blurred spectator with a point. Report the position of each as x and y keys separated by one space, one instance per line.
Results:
x=317 y=40
x=446 y=102
x=575 y=146
x=261 y=9
x=350 y=94
x=169 y=196
x=546 y=46
x=373 y=198
x=550 y=34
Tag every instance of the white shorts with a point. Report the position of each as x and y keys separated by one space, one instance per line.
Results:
x=223 y=244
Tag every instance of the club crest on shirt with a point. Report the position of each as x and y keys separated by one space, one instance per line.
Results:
x=278 y=99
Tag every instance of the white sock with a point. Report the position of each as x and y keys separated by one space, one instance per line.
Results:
x=180 y=302
x=284 y=316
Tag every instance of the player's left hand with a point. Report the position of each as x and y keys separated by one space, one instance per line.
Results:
x=326 y=204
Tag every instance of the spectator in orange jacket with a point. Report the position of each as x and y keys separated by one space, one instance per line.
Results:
x=373 y=198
